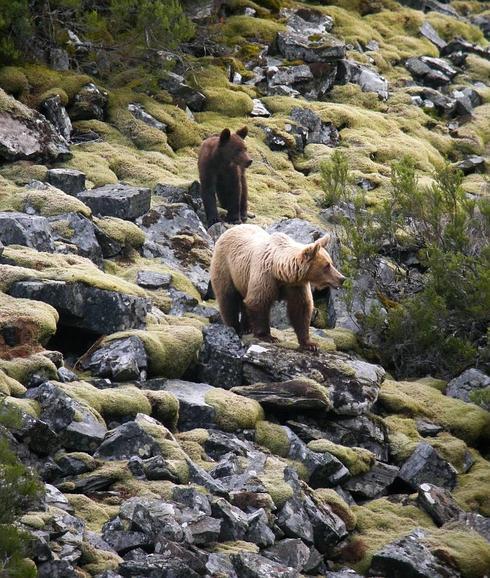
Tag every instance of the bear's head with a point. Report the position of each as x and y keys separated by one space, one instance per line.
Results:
x=321 y=272
x=233 y=149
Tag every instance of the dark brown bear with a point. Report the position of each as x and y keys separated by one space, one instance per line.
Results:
x=222 y=162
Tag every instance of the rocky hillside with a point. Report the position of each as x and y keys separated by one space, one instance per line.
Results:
x=165 y=445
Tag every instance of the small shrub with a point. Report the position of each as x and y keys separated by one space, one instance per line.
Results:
x=335 y=179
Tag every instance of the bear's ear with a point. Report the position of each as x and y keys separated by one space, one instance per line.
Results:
x=242 y=132
x=224 y=137
x=325 y=240
x=311 y=251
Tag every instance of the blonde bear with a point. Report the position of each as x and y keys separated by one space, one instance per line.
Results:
x=251 y=269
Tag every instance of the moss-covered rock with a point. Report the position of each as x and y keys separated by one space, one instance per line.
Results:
x=96 y=561
x=123 y=232
x=339 y=506
x=473 y=490
x=22 y=368
x=95 y=514
x=356 y=460
x=273 y=437
x=233 y=412
x=10 y=386
x=465 y=420
x=28 y=323
x=13 y=81
x=164 y=407
x=170 y=349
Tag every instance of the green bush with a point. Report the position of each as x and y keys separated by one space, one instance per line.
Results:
x=18 y=488
x=15 y=26
x=441 y=329
x=335 y=179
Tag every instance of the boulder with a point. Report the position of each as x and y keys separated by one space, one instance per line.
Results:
x=156 y=566
x=75 y=233
x=297 y=46
x=25 y=134
x=259 y=109
x=175 y=234
x=122 y=201
x=438 y=503
x=317 y=131
x=460 y=45
x=188 y=193
x=472 y=164
x=353 y=385
x=87 y=307
x=428 y=31
x=426 y=465
x=220 y=359
x=28 y=230
x=291 y=552
x=119 y=360
x=126 y=441
x=256 y=566
x=182 y=92
x=56 y=113
x=89 y=103
x=153 y=279
x=410 y=556
x=69 y=181
x=433 y=72
x=369 y=80
x=471 y=380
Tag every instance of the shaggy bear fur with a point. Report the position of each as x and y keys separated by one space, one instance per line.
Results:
x=251 y=269
x=222 y=162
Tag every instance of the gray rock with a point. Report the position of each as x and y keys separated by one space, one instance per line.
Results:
x=434 y=72
x=193 y=409
x=121 y=539
x=156 y=566
x=188 y=193
x=259 y=531
x=374 y=483
x=362 y=431
x=69 y=181
x=469 y=381
x=122 y=201
x=483 y=22
x=291 y=552
x=153 y=279
x=441 y=6
x=318 y=132
x=426 y=465
x=427 y=428
x=220 y=359
x=29 y=230
x=259 y=109
x=308 y=21
x=125 y=441
x=89 y=103
x=353 y=384
x=56 y=569
x=72 y=464
x=438 y=503
x=313 y=81
x=175 y=234
x=59 y=59
x=293 y=395
x=297 y=46
x=80 y=305
x=410 y=556
x=182 y=92
x=119 y=360
x=66 y=375
x=369 y=80
x=194 y=559
x=257 y=566
x=56 y=113
x=472 y=164
x=234 y=522
x=274 y=140
x=460 y=45
x=25 y=134
x=430 y=98
x=202 y=530
x=77 y=232
x=428 y=31
x=220 y=565
x=344 y=573
x=140 y=113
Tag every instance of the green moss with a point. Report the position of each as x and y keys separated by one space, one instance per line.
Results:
x=380 y=522
x=164 y=407
x=465 y=420
x=198 y=435
x=96 y=561
x=32 y=264
x=237 y=547
x=344 y=339
x=449 y=28
x=29 y=406
x=438 y=384
x=124 y=232
x=42 y=79
x=86 y=459
x=21 y=368
x=466 y=549
x=93 y=513
x=13 y=81
x=273 y=437
x=273 y=479
x=32 y=322
x=110 y=403
x=477 y=68
x=337 y=504
x=356 y=460
x=114 y=471
x=22 y=172
x=10 y=386
x=234 y=412
x=473 y=490
x=170 y=349
x=33 y=520
x=237 y=29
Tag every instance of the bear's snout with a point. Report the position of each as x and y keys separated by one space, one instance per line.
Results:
x=341 y=281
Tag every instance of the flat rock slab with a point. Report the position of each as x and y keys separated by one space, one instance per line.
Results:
x=374 y=483
x=126 y=441
x=353 y=384
x=28 y=230
x=87 y=307
x=76 y=233
x=122 y=201
x=469 y=381
x=297 y=46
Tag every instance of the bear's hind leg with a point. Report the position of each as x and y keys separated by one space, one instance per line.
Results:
x=230 y=303
x=228 y=190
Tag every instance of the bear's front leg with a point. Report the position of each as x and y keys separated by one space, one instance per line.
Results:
x=208 y=196
x=243 y=198
x=300 y=309
x=258 y=315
